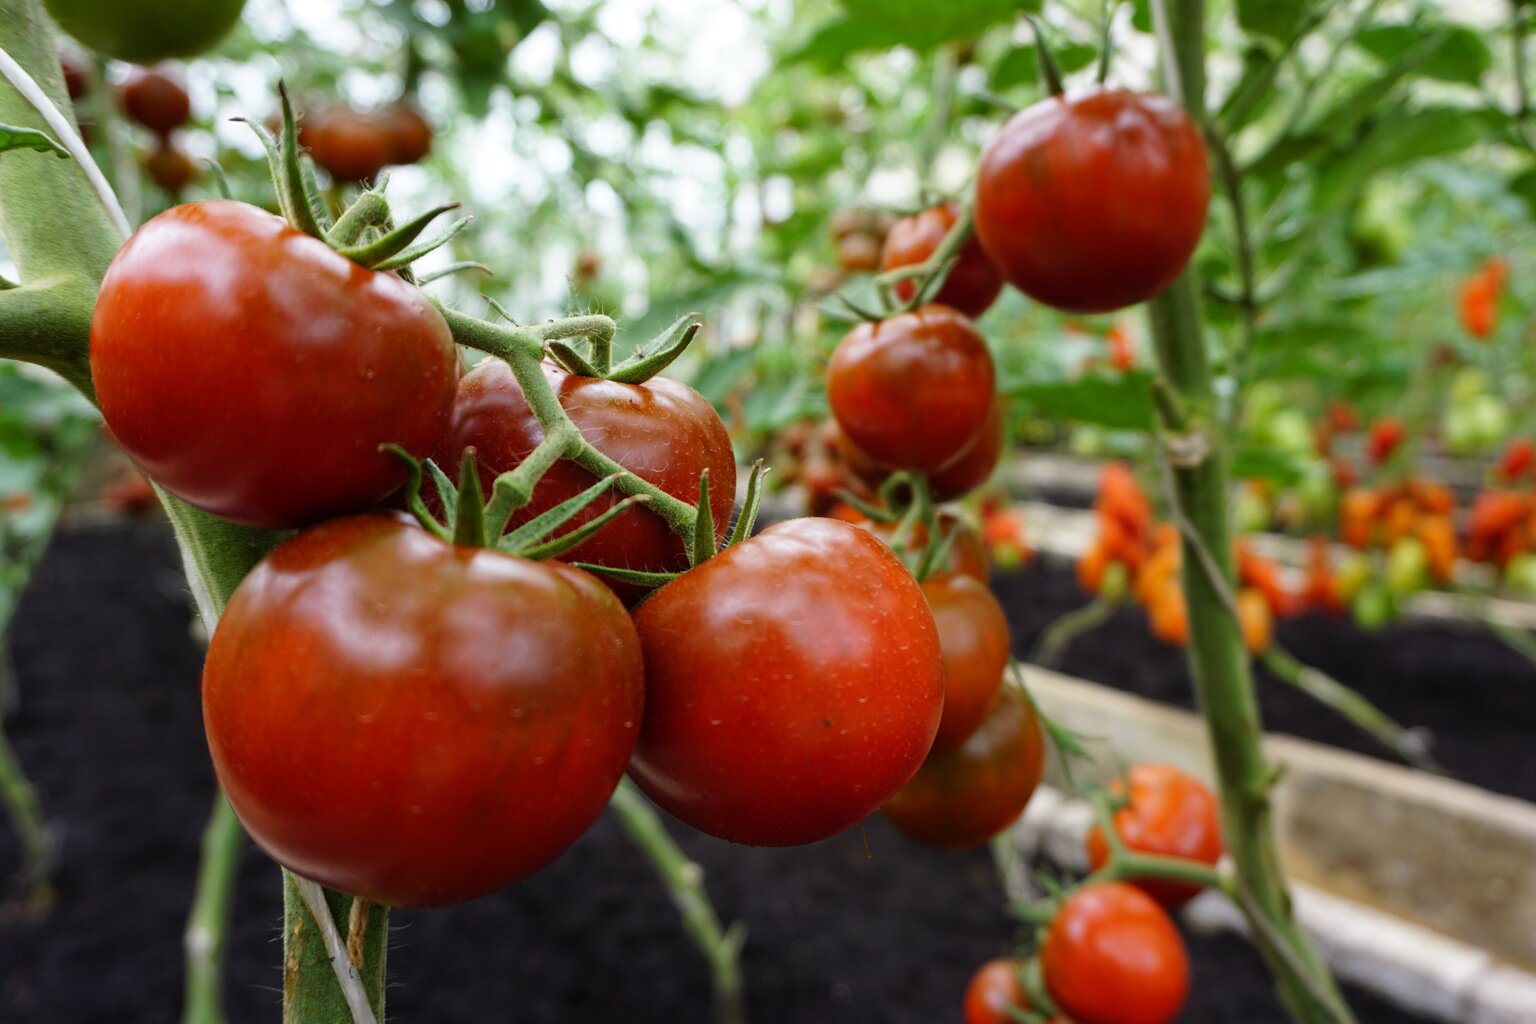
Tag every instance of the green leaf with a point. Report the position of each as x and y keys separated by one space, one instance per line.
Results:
x=1019 y=66
x=1121 y=401
x=1250 y=463
x=12 y=137
x=1463 y=56
x=1397 y=139
x=1278 y=19
x=1523 y=185
x=917 y=24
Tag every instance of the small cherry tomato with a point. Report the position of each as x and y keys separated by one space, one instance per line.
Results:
x=913 y=391
x=793 y=683
x=348 y=145
x=156 y=99
x=973 y=636
x=1093 y=202
x=1518 y=460
x=1386 y=434
x=170 y=168
x=254 y=372
x=1168 y=813
x=858 y=252
x=973 y=283
x=993 y=990
x=1113 y=956
x=410 y=136
x=661 y=430
x=962 y=797
x=414 y=722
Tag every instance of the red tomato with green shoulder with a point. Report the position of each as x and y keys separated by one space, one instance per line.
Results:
x=973 y=283
x=962 y=797
x=1096 y=201
x=913 y=391
x=1113 y=956
x=254 y=372
x=1168 y=813
x=415 y=722
x=793 y=683
x=662 y=431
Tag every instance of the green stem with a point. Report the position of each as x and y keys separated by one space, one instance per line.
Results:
x=316 y=954
x=1059 y=635
x=684 y=880
x=1517 y=52
x=26 y=817
x=1219 y=663
x=207 y=934
x=1408 y=744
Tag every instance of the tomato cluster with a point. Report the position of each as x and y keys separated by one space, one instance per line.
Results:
x=157 y=99
x=355 y=145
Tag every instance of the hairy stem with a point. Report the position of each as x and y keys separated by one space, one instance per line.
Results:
x=207 y=933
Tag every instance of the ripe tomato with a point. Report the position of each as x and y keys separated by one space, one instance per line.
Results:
x=1518 y=460
x=1093 y=202
x=793 y=683
x=993 y=990
x=414 y=722
x=972 y=285
x=974 y=641
x=77 y=73
x=146 y=31
x=410 y=136
x=254 y=372
x=1169 y=813
x=975 y=465
x=1386 y=434
x=348 y=145
x=660 y=430
x=913 y=391
x=170 y=168
x=156 y=99
x=961 y=798
x=1112 y=956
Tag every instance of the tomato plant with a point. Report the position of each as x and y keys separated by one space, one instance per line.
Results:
x=1095 y=201
x=1169 y=813
x=254 y=372
x=778 y=711
x=1113 y=956
x=415 y=722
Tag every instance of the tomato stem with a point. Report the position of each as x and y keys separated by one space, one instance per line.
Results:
x=19 y=799
x=1059 y=635
x=207 y=933
x=1050 y=71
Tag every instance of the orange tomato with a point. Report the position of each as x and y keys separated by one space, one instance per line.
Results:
x=1256 y=620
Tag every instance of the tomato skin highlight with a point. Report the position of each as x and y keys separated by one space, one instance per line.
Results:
x=1092 y=202
x=974 y=641
x=147 y=31
x=661 y=430
x=254 y=372
x=794 y=683
x=912 y=391
x=973 y=283
x=960 y=798
x=1113 y=956
x=413 y=722
x=1170 y=813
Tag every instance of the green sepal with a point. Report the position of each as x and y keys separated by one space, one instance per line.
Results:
x=749 y=506
x=469 y=522
x=287 y=172
x=413 y=501
x=369 y=210
x=703 y=547
x=408 y=256
x=634 y=576
x=448 y=495
x=1050 y=71
x=659 y=353
x=382 y=252
x=566 y=541
x=454 y=268
x=542 y=525
x=571 y=360
x=877 y=513
x=220 y=179
x=935 y=553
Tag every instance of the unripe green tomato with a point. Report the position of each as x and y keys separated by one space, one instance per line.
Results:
x=1317 y=492
x=1520 y=574
x=1407 y=569
x=147 y=31
x=1352 y=575
x=1373 y=607
x=1251 y=513
x=1458 y=429
x=1290 y=431
x=1468 y=383
x=1088 y=442
x=1381 y=224
x=1490 y=421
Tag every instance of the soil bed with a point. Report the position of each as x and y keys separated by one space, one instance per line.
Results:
x=109 y=727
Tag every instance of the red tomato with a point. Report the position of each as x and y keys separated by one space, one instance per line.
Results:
x=414 y=722
x=1093 y=202
x=1112 y=956
x=77 y=73
x=348 y=145
x=975 y=465
x=993 y=990
x=913 y=391
x=1479 y=306
x=661 y=430
x=961 y=798
x=973 y=637
x=1170 y=813
x=410 y=136
x=793 y=683
x=1122 y=353
x=1386 y=434
x=858 y=252
x=1519 y=459
x=1342 y=418
x=170 y=168
x=972 y=285
x=254 y=372
x=156 y=99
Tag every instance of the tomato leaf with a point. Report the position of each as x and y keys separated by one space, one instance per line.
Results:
x=1278 y=19
x=12 y=137
x=917 y=24
x=1122 y=401
x=1463 y=56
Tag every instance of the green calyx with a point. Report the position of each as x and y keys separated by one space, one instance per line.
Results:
x=595 y=358
x=364 y=232
x=904 y=499
x=928 y=277
x=468 y=520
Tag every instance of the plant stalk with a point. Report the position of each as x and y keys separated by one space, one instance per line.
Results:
x=206 y=938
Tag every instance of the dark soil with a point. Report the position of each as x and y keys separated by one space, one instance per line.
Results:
x=109 y=728
x=1477 y=696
